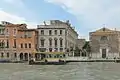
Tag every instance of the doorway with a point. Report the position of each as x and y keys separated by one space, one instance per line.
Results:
x=21 y=56
x=26 y=56
x=103 y=53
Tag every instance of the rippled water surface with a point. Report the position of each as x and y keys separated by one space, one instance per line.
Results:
x=71 y=71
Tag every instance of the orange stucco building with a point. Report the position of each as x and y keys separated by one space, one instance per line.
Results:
x=17 y=42
x=27 y=43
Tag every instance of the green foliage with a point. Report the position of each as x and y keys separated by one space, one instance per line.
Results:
x=77 y=51
x=87 y=48
x=2 y=45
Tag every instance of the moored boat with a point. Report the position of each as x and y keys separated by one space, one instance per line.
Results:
x=50 y=58
x=117 y=60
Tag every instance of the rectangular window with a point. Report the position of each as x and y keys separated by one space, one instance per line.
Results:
x=60 y=32
x=15 y=55
x=2 y=44
x=50 y=32
x=1 y=31
x=7 y=43
x=55 y=32
x=29 y=35
x=14 y=43
x=42 y=43
x=25 y=45
x=21 y=45
x=2 y=55
x=29 y=45
x=25 y=35
x=61 y=49
x=42 y=32
x=50 y=42
x=7 y=55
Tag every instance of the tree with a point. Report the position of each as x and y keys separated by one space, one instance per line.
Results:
x=87 y=48
x=77 y=51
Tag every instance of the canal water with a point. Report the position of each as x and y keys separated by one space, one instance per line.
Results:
x=71 y=71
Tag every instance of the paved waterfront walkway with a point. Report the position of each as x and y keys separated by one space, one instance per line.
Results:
x=86 y=59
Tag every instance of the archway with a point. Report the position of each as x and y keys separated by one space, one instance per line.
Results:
x=21 y=56
x=26 y=56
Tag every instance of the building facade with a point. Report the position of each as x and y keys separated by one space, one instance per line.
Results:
x=56 y=36
x=105 y=43
x=27 y=43
x=8 y=40
x=17 y=42
x=80 y=43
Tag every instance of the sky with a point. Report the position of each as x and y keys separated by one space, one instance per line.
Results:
x=85 y=15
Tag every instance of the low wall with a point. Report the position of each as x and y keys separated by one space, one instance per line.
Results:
x=76 y=58
x=109 y=55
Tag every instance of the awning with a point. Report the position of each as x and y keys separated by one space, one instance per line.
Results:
x=50 y=52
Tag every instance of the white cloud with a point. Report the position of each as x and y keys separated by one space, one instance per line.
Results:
x=5 y=16
x=14 y=2
x=21 y=9
x=93 y=13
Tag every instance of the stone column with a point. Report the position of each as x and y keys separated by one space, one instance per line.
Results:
x=18 y=56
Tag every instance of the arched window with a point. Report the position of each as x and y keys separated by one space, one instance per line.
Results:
x=8 y=55
x=50 y=42
x=61 y=42
x=55 y=39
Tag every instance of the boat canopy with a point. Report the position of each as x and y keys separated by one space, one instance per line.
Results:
x=50 y=52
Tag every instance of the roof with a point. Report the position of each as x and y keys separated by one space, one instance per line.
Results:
x=27 y=30
x=15 y=25
x=103 y=31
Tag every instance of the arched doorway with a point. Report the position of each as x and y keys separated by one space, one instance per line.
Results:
x=21 y=56
x=26 y=56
